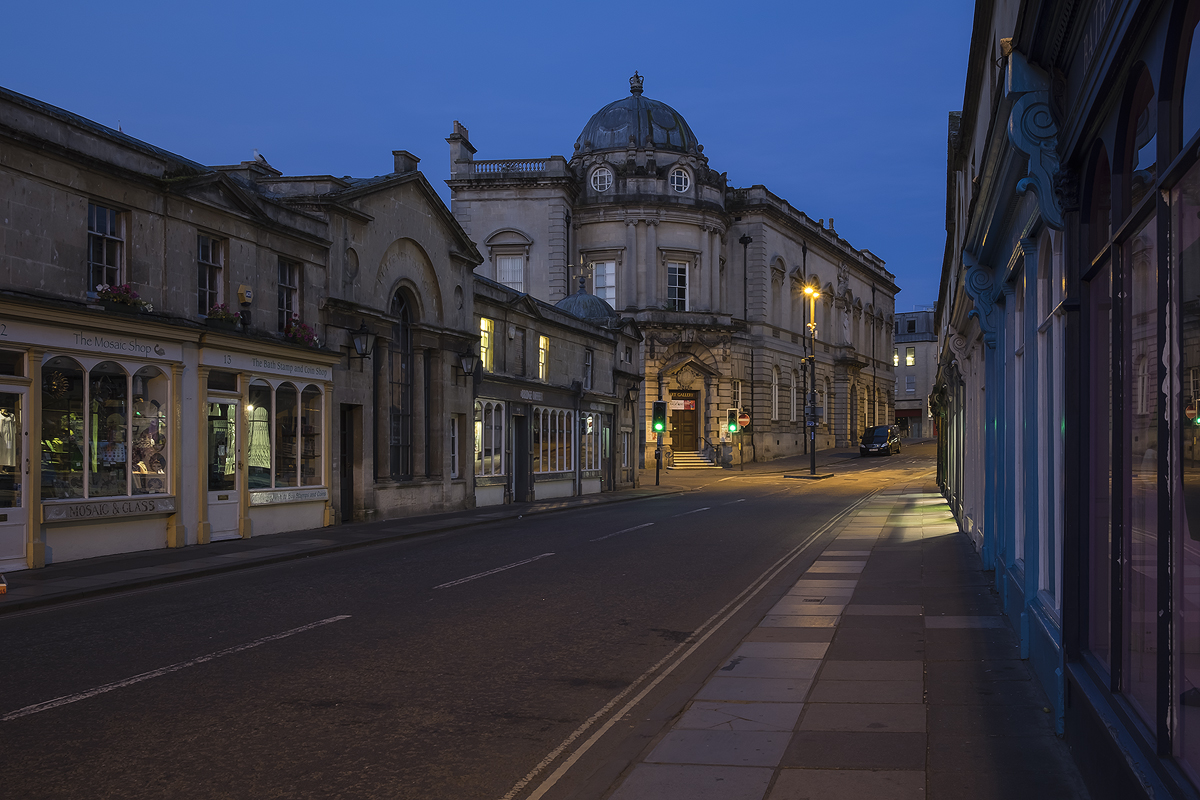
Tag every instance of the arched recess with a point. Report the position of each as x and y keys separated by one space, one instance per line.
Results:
x=1097 y=201
x=1179 y=85
x=405 y=263
x=1136 y=143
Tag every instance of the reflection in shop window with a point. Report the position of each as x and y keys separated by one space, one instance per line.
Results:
x=258 y=436
x=553 y=440
x=489 y=438
x=283 y=430
x=310 y=437
x=589 y=441
x=108 y=417
x=151 y=400
x=90 y=445
x=10 y=450
x=1185 y=241
x=286 y=442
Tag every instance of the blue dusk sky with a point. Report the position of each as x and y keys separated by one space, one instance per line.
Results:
x=839 y=108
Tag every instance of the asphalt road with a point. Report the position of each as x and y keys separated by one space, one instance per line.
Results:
x=465 y=665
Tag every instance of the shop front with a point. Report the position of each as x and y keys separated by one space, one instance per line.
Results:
x=541 y=444
x=120 y=434
x=262 y=439
x=88 y=436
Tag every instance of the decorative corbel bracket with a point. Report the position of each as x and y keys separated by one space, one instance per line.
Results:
x=1032 y=130
x=978 y=283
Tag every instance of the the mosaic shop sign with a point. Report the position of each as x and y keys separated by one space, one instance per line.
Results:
x=89 y=340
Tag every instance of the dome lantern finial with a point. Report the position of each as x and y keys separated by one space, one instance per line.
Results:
x=635 y=84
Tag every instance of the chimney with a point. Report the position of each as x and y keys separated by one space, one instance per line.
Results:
x=405 y=162
x=461 y=152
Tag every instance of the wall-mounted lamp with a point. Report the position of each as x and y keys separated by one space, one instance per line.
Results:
x=467 y=362
x=632 y=395
x=364 y=341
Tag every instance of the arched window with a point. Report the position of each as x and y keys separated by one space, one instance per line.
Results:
x=775 y=393
x=398 y=378
x=795 y=390
x=489 y=438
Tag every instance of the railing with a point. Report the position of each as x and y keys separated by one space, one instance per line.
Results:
x=500 y=167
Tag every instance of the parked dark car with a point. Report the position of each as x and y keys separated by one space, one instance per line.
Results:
x=879 y=440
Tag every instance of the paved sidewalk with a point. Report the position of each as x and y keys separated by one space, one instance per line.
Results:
x=73 y=580
x=886 y=672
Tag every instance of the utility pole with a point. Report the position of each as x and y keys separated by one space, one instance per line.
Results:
x=745 y=243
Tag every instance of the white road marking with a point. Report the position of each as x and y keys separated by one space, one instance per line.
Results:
x=627 y=530
x=692 y=643
x=492 y=571
x=156 y=673
x=734 y=501
x=693 y=511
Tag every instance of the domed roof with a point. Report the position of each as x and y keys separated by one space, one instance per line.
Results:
x=586 y=306
x=647 y=121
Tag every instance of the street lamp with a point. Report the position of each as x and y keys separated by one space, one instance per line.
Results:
x=812 y=292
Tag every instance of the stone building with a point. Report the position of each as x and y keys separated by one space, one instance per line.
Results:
x=916 y=359
x=190 y=414
x=555 y=411
x=1067 y=389
x=712 y=275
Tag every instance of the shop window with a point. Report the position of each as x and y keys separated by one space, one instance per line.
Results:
x=91 y=444
x=63 y=439
x=589 y=441
x=149 y=430
x=1140 y=473
x=258 y=436
x=1099 y=456
x=1185 y=220
x=283 y=436
x=626 y=453
x=310 y=437
x=106 y=247
x=489 y=438
x=487 y=337
x=210 y=272
x=289 y=292
x=286 y=441
x=553 y=440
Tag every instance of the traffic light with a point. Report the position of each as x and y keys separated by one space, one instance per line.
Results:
x=731 y=423
x=658 y=417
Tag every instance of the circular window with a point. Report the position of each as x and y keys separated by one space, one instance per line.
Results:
x=680 y=180
x=602 y=179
